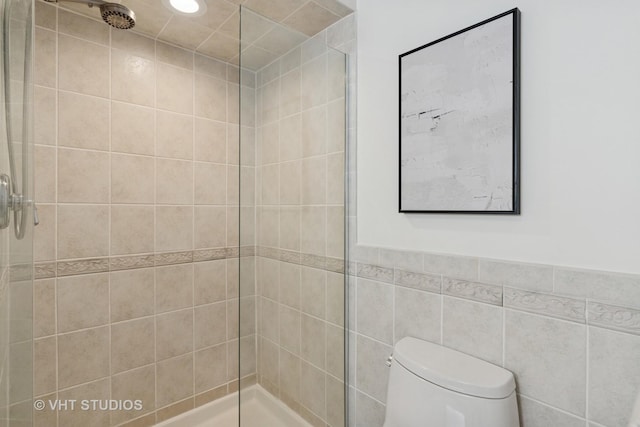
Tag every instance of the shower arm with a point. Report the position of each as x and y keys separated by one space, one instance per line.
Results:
x=89 y=3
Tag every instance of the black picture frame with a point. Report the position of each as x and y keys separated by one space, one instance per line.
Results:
x=505 y=207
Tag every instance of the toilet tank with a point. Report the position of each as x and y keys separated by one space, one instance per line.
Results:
x=434 y=386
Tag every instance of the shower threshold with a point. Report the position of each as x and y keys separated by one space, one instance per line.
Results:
x=259 y=409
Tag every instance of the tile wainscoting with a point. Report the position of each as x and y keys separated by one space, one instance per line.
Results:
x=570 y=336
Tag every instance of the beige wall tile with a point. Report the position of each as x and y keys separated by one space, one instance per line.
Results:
x=45 y=52
x=83 y=121
x=175 y=135
x=290 y=329
x=210 y=367
x=132 y=294
x=132 y=229
x=132 y=129
x=210 y=141
x=174 y=89
x=174 y=181
x=82 y=231
x=135 y=43
x=234 y=102
x=211 y=97
x=174 y=287
x=45 y=15
x=45 y=174
x=270 y=184
x=132 y=344
x=290 y=277
x=132 y=179
x=290 y=93
x=83 y=66
x=82 y=27
x=174 y=55
x=290 y=372
x=44 y=307
x=314 y=181
x=137 y=384
x=269 y=143
x=312 y=388
x=44 y=366
x=213 y=67
x=335 y=179
x=174 y=334
x=290 y=228
x=313 y=230
x=98 y=390
x=83 y=176
x=44 y=109
x=83 y=356
x=290 y=141
x=336 y=126
x=44 y=236
x=314 y=131
x=314 y=83
x=209 y=281
x=290 y=180
x=210 y=184
x=132 y=78
x=335 y=231
x=174 y=228
x=210 y=226
x=174 y=380
x=210 y=325
x=83 y=301
x=335 y=298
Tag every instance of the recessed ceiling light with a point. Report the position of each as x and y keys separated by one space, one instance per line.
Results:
x=186 y=7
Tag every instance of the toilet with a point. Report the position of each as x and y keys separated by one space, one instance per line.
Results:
x=434 y=386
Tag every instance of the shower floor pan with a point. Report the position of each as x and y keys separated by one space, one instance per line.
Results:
x=259 y=409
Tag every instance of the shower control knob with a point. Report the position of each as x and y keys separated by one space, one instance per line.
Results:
x=389 y=360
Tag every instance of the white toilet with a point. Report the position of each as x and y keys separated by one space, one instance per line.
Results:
x=433 y=386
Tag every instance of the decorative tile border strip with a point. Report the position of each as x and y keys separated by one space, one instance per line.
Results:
x=44 y=270
x=613 y=317
x=47 y=270
x=20 y=272
x=489 y=294
x=545 y=304
x=174 y=258
x=374 y=272
x=314 y=261
x=131 y=262
x=85 y=266
x=421 y=281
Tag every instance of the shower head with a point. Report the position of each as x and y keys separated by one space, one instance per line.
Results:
x=118 y=16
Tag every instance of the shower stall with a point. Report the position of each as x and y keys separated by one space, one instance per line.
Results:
x=189 y=176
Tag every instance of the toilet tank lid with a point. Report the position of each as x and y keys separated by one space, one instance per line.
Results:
x=453 y=370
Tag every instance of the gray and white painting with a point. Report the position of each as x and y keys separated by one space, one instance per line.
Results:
x=456 y=122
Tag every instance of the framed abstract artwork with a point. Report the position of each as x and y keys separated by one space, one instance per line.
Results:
x=460 y=121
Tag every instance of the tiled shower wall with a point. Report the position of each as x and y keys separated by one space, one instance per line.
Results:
x=300 y=230
x=137 y=251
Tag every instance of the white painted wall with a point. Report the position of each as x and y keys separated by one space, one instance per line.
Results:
x=580 y=133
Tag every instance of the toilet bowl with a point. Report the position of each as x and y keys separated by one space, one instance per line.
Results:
x=434 y=386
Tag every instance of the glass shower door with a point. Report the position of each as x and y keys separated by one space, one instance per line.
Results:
x=16 y=215
x=292 y=226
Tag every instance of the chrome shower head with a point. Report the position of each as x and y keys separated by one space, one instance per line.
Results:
x=118 y=16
